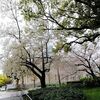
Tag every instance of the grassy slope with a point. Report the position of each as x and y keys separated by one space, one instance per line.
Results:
x=92 y=94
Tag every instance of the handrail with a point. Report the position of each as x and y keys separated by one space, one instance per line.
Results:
x=26 y=95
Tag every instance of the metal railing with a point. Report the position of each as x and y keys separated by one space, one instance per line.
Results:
x=26 y=94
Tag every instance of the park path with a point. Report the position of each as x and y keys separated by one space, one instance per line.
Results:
x=12 y=98
x=14 y=95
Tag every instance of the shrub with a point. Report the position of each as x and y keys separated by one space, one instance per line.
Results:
x=52 y=85
x=75 y=84
x=4 y=80
x=90 y=82
x=57 y=93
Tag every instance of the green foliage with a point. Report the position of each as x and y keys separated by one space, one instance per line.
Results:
x=86 y=79
x=58 y=46
x=61 y=46
x=90 y=82
x=4 y=80
x=52 y=85
x=67 y=48
x=54 y=93
x=27 y=7
x=66 y=14
x=92 y=93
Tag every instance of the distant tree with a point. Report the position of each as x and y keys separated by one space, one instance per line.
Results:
x=30 y=44
x=88 y=60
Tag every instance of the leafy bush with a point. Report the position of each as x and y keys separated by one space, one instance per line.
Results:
x=52 y=85
x=90 y=82
x=4 y=80
x=57 y=93
x=75 y=84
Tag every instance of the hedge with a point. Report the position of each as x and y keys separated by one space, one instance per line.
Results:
x=57 y=93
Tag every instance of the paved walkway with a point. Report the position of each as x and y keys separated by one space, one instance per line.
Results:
x=4 y=95
x=12 y=98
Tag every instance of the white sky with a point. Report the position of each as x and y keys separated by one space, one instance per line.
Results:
x=1 y=72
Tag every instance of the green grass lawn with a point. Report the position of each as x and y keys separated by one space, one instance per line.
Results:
x=92 y=94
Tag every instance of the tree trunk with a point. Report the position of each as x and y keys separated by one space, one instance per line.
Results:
x=92 y=74
x=17 y=83
x=43 y=81
x=58 y=74
x=34 y=83
x=49 y=78
x=23 y=85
